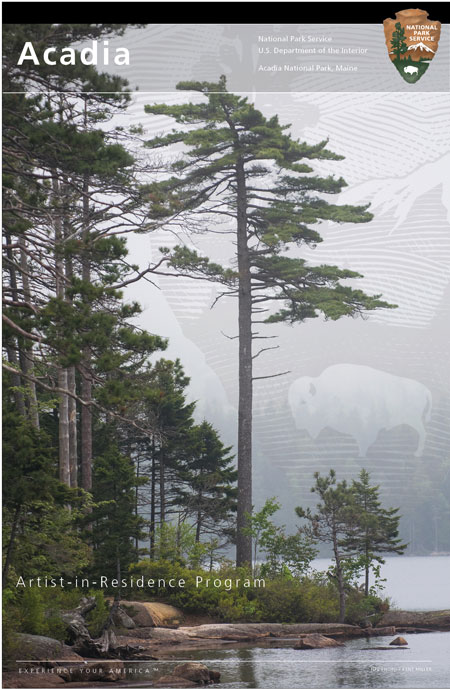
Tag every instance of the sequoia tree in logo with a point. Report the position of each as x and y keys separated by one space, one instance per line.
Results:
x=412 y=42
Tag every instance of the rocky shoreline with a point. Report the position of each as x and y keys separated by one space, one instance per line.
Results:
x=155 y=633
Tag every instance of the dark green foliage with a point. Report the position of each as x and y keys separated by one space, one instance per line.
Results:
x=279 y=212
x=377 y=528
x=10 y=628
x=362 y=609
x=39 y=614
x=283 y=599
x=38 y=611
x=235 y=604
x=165 y=403
x=288 y=555
x=334 y=513
x=334 y=519
x=39 y=535
x=293 y=600
x=207 y=476
x=113 y=522
x=96 y=618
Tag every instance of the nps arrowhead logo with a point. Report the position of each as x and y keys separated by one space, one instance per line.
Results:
x=412 y=41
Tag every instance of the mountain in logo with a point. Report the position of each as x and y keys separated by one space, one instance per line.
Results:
x=412 y=41
x=421 y=46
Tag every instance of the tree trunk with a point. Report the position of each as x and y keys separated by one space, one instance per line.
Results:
x=11 y=543
x=199 y=527
x=136 y=502
x=28 y=359
x=162 y=488
x=340 y=580
x=366 y=579
x=86 y=431
x=63 y=429
x=86 y=381
x=71 y=377
x=153 y=502
x=11 y=352
x=73 y=440
x=118 y=574
x=16 y=381
x=244 y=506
x=63 y=408
x=106 y=646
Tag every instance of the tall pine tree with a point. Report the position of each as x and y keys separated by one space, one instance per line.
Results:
x=69 y=190
x=245 y=173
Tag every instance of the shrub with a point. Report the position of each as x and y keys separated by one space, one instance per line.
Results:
x=10 y=627
x=96 y=618
x=285 y=598
x=362 y=609
x=281 y=601
x=297 y=600
x=236 y=604
x=38 y=611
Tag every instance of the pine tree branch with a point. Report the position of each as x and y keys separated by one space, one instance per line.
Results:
x=20 y=330
x=91 y=403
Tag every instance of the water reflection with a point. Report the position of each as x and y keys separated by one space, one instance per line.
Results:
x=246 y=667
x=358 y=664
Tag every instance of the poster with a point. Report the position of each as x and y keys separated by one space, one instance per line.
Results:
x=226 y=269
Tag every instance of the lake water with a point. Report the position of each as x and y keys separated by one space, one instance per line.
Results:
x=425 y=663
x=413 y=583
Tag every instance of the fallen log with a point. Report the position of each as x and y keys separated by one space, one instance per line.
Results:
x=106 y=646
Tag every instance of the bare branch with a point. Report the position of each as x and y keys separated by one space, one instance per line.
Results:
x=264 y=349
x=275 y=375
x=229 y=337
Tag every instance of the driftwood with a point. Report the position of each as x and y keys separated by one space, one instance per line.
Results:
x=106 y=646
x=78 y=633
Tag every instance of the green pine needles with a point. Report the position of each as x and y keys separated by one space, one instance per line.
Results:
x=235 y=171
x=280 y=204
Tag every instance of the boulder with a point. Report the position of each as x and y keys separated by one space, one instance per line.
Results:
x=95 y=672
x=381 y=631
x=214 y=676
x=399 y=641
x=188 y=674
x=152 y=614
x=311 y=641
x=385 y=648
x=438 y=620
x=173 y=682
x=121 y=619
x=194 y=672
x=257 y=630
x=34 y=647
x=17 y=680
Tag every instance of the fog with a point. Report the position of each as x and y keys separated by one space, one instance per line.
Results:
x=373 y=392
